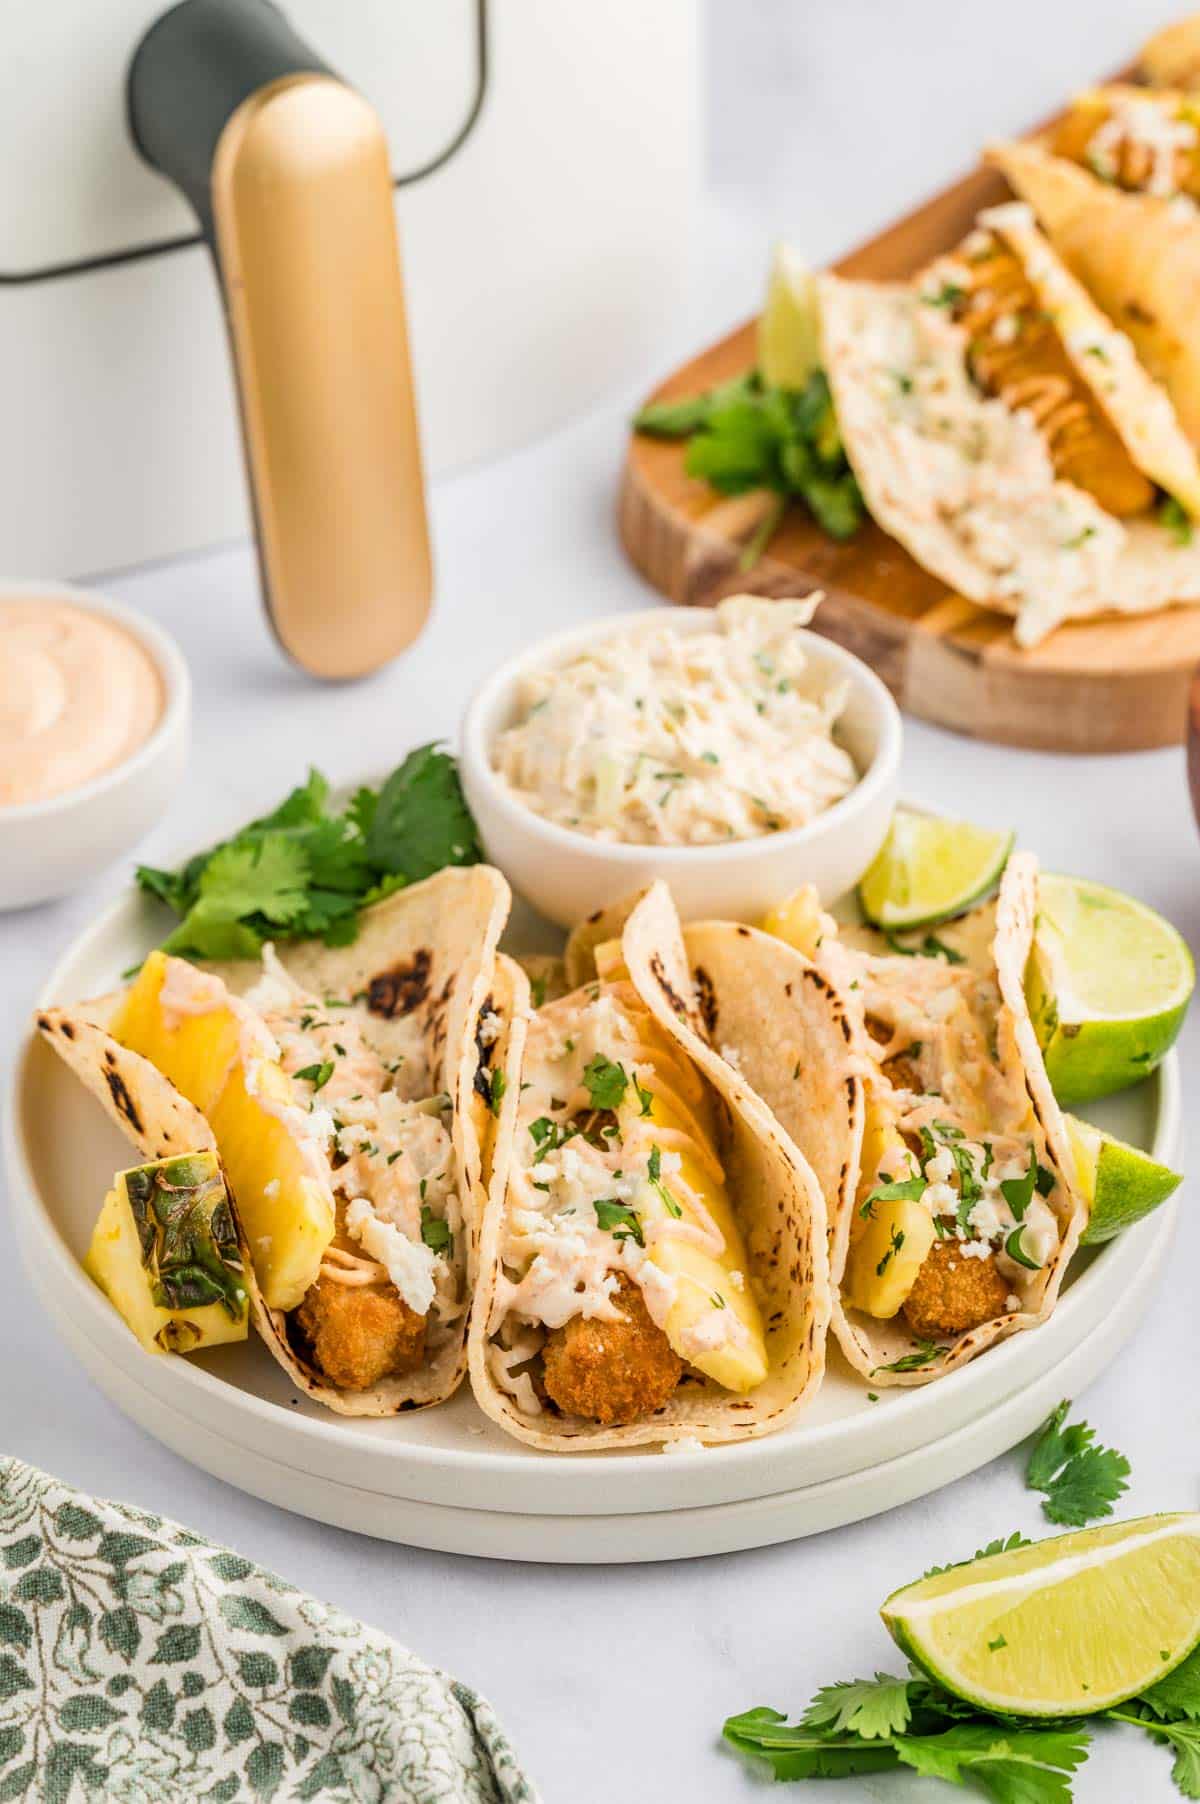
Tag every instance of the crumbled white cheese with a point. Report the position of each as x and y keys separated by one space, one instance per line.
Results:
x=410 y=1264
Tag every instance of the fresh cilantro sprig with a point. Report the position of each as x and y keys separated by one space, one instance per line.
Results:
x=745 y=435
x=1169 y=1712
x=1081 y=1481
x=305 y=870
x=873 y=1725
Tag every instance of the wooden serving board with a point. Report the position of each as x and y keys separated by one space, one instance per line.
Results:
x=1093 y=686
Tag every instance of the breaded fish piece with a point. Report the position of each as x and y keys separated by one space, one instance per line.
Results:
x=1015 y=352
x=359 y=1334
x=611 y=1372
x=953 y=1294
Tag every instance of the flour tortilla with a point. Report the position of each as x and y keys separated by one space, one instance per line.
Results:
x=1104 y=358
x=870 y=1345
x=1138 y=256
x=1000 y=529
x=419 y=977
x=780 y=1207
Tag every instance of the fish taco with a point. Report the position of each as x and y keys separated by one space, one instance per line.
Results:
x=354 y=1095
x=1005 y=432
x=654 y=1258
x=961 y=1210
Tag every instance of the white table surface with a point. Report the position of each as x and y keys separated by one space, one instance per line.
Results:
x=614 y=1682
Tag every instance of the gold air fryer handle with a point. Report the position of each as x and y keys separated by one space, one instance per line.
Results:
x=289 y=173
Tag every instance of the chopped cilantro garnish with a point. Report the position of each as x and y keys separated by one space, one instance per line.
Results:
x=926 y=1350
x=1018 y=1192
x=548 y=1136
x=645 y=1099
x=606 y=1081
x=893 y=1249
x=902 y=1190
x=497 y=1085
x=654 y=1171
x=618 y=1219
x=317 y=1075
x=434 y=1231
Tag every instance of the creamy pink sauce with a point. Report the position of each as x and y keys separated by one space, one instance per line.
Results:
x=78 y=696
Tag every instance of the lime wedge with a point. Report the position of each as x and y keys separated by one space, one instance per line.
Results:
x=1066 y=1627
x=1121 y=1183
x=929 y=869
x=1108 y=986
x=789 y=339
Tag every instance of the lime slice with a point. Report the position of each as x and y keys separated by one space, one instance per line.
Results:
x=1066 y=1627
x=1108 y=986
x=789 y=337
x=1121 y=1183
x=930 y=869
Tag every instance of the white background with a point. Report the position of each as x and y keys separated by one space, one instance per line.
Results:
x=823 y=121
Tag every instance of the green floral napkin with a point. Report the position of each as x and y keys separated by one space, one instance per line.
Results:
x=139 y=1662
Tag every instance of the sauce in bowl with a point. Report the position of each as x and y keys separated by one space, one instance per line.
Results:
x=79 y=694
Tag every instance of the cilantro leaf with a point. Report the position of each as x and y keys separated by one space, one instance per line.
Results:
x=434 y=1231
x=1178 y=1694
x=421 y=822
x=926 y=1350
x=1182 y=1737
x=744 y=435
x=871 y=1708
x=606 y=1081
x=303 y=871
x=317 y=1075
x=800 y=1753
x=1081 y=1481
x=1010 y=1765
x=497 y=1085
x=1018 y=1192
x=618 y=1219
x=903 y=1189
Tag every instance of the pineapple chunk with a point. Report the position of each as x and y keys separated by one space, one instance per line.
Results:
x=888 y=1245
x=165 y=1254
x=799 y=920
x=200 y=1043
x=705 y=1281
x=196 y=1044
x=886 y=1257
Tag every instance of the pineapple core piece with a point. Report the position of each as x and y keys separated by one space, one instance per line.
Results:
x=165 y=1253
x=198 y=1038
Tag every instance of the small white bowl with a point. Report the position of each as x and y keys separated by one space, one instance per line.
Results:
x=50 y=847
x=566 y=875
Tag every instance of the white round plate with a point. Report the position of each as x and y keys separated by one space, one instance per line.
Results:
x=448 y=1478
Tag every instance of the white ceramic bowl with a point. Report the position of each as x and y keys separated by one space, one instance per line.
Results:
x=50 y=847
x=567 y=875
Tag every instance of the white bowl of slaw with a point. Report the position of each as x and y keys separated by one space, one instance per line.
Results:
x=53 y=845
x=567 y=874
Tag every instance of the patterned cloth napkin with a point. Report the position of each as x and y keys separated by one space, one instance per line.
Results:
x=141 y=1663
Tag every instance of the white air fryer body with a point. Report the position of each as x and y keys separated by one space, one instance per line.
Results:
x=544 y=251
